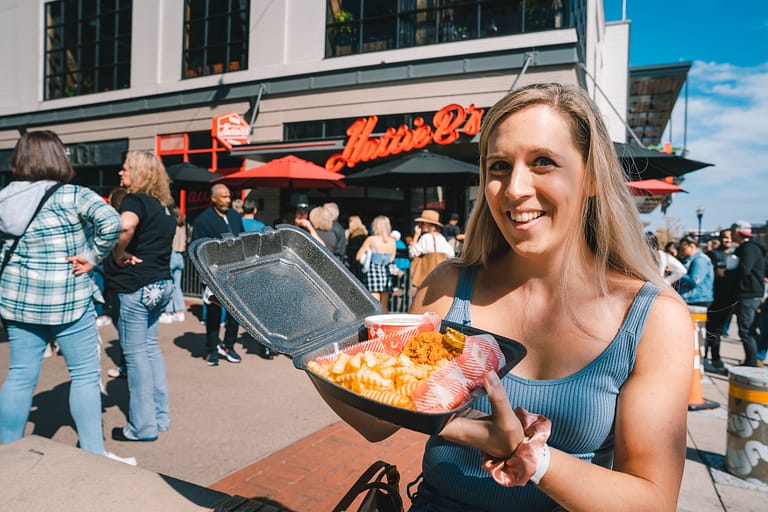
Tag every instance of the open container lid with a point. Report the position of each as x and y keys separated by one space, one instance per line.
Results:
x=293 y=295
x=288 y=291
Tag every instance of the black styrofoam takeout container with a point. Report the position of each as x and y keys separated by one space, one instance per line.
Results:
x=294 y=296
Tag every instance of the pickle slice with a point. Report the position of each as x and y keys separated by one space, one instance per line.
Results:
x=454 y=338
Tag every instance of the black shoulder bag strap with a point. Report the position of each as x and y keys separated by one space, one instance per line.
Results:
x=382 y=491
x=9 y=252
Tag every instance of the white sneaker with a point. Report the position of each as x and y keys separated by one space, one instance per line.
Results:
x=178 y=316
x=48 y=350
x=166 y=318
x=125 y=460
x=103 y=320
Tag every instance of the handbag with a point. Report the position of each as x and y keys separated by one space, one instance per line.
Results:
x=381 y=485
x=365 y=261
x=422 y=265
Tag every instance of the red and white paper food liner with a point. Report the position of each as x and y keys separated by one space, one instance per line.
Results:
x=448 y=386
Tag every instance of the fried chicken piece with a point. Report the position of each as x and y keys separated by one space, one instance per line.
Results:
x=429 y=348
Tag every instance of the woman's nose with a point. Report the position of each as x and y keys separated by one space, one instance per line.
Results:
x=520 y=182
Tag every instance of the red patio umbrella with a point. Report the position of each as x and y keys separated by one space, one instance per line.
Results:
x=652 y=188
x=286 y=172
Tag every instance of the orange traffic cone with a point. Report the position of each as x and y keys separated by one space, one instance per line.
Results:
x=696 y=401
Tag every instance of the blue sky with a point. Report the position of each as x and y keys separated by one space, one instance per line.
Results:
x=727 y=43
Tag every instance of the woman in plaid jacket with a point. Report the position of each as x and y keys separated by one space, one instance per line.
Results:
x=46 y=290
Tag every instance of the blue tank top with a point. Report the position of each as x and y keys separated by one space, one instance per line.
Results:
x=582 y=407
x=380 y=258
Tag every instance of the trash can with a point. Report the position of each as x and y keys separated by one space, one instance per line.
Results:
x=746 y=453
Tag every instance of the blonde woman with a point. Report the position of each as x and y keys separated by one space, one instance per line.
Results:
x=356 y=235
x=383 y=249
x=141 y=277
x=554 y=257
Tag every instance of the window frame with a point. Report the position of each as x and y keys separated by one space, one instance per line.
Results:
x=74 y=43
x=234 y=48
x=410 y=23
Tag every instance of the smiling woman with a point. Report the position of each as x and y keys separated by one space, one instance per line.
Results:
x=553 y=243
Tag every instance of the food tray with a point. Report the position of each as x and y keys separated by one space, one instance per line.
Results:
x=294 y=296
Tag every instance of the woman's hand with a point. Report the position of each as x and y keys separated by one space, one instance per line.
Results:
x=80 y=265
x=123 y=259
x=497 y=435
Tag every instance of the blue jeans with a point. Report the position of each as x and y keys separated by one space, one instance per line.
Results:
x=79 y=342
x=762 y=339
x=746 y=310
x=148 y=410
x=97 y=274
x=177 y=267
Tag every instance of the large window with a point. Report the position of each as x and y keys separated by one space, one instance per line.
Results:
x=215 y=36
x=361 y=26
x=87 y=47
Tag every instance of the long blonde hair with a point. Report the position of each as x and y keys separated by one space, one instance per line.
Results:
x=382 y=227
x=609 y=222
x=148 y=176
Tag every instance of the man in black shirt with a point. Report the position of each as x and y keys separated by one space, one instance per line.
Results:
x=749 y=283
x=214 y=223
x=340 y=249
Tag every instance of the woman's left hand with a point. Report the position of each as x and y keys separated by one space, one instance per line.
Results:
x=497 y=435
x=125 y=258
x=79 y=264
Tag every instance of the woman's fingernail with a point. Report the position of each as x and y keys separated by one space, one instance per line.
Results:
x=493 y=378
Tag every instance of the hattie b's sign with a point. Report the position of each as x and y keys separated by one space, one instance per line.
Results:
x=230 y=129
x=447 y=125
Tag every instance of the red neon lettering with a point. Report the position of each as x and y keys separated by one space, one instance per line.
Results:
x=422 y=135
x=447 y=121
x=361 y=147
x=472 y=126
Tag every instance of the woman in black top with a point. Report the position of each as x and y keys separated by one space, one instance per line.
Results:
x=141 y=277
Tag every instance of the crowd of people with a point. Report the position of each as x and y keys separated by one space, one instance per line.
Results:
x=726 y=277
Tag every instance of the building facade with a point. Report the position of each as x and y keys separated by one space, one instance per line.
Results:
x=114 y=75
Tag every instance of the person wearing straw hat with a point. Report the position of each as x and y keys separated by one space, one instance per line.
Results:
x=429 y=247
x=428 y=224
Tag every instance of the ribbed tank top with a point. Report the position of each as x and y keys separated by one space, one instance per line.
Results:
x=582 y=407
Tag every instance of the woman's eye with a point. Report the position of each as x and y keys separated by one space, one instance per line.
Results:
x=543 y=161
x=498 y=167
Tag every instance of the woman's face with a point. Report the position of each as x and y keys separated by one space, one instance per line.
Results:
x=125 y=176
x=535 y=175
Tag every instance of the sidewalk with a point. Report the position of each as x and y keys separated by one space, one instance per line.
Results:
x=259 y=429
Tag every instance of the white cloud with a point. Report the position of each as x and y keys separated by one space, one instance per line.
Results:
x=727 y=127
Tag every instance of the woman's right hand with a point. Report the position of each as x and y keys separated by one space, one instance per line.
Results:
x=499 y=434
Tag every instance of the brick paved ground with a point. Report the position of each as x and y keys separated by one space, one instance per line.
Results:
x=316 y=471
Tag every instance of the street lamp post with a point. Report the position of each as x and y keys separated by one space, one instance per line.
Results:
x=699 y=215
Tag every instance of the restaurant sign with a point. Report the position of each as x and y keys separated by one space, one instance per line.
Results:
x=230 y=129
x=448 y=124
